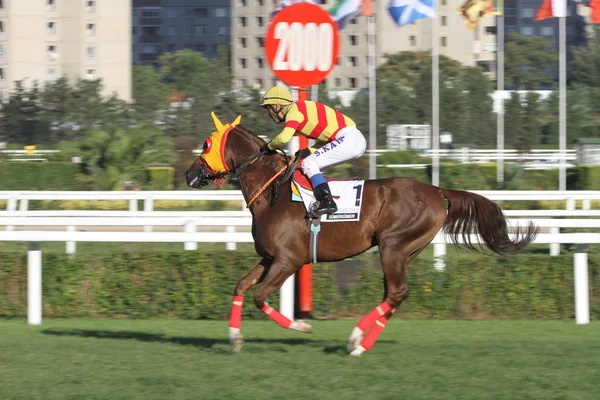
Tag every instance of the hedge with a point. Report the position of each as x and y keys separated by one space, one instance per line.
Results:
x=161 y=178
x=193 y=285
x=39 y=176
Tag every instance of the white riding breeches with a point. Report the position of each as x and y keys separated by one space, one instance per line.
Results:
x=349 y=143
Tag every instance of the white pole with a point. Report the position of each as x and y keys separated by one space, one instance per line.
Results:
x=562 y=185
x=34 y=285
x=500 y=115
x=372 y=98
x=231 y=245
x=286 y=298
x=71 y=246
x=582 y=301
x=148 y=206
x=435 y=174
x=439 y=252
x=190 y=227
x=554 y=247
x=314 y=93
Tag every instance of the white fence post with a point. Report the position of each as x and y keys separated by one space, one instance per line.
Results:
x=34 y=285
x=71 y=247
x=571 y=204
x=190 y=227
x=24 y=205
x=148 y=206
x=582 y=303
x=439 y=252
x=586 y=204
x=554 y=247
x=231 y=245
x=286 y=298
x=11 y=207
x=133 y=205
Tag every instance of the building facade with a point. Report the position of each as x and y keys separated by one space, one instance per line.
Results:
x=43 y=40
x=165 y=26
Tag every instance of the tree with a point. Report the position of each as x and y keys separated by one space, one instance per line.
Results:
x=476 y=124
x=23 y=122
x=513 y=121
x=529 y=61
x=532 y=120
x=56 y=110
x=586 y=62
x=149 y=94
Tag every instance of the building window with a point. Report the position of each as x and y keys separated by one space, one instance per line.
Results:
x=444 y=22
x=134 y=30
x=353 y=21
x=1 y=74
x=527 y=13
x=220 y=12
x=444 y=41
x=172 y=13
x=199 y=29
x=243 y=83
x=490 y=30
x=261 y=41
x=90 y=30
x=260 y=21
x=259 y=83
x=547 y=31
x=353 y=40
x=50 y=5
x=201 y=47
x=260 y=62
x=242 y=3
x=261 y=2
x=413 y=40
x=91 y=52
x=221 y=30
x=52 y=53
x=444 y=2
x=1 y=5
x=200 y=12
x=1 y=27
x=242 y=21
x=352 y=61
x=90 y=74
x=91 y=6
x=242 y=42
x=352 y=82
x=150 y=49
x=150 y=12
x=51 y=28
x=242 y=62
x=527 y=30
x=51 y=72
x=171 y=47
x=1 y=50
x=171 y=31
x=338 y=82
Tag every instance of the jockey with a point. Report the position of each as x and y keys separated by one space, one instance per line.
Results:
x=338 y=139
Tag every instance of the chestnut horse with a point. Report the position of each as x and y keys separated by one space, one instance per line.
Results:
x=400 y=215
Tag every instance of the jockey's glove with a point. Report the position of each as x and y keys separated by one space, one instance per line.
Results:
x=303 y=153
x=265 y=149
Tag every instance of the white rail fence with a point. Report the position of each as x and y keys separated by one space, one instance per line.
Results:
x=187 y=223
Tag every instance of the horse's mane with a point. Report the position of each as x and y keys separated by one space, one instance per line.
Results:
x=245 y=132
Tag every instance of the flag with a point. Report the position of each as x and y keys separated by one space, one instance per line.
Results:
x=405 y=12
x=473 y=10
x=551 y=9
x=595 y=6
x=286 y=3
x=345 y=10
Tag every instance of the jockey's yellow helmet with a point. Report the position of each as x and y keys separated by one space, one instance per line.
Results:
x=277 y=95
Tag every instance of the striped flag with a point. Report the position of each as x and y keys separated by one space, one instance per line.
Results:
x=595 y=6
x=551 y=9
x=345 y=10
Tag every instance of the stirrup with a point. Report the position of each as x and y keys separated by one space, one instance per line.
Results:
x=317 y=211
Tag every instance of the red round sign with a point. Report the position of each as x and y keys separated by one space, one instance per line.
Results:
x=302 y=44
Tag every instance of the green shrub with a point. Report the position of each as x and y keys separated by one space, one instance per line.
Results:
x=40 y=176
x=161 y=178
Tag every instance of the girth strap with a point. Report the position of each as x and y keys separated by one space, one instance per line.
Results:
x=315 y=228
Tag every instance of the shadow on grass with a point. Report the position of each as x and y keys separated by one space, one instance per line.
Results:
x=200 y=342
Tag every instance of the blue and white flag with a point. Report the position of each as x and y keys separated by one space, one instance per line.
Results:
x=406 y=12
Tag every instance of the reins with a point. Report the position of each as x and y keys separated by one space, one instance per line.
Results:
x=266 y=185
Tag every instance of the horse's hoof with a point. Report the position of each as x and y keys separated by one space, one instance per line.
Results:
x=236 y=343
x=357 y=352
x=301 y=326
x=354 y=343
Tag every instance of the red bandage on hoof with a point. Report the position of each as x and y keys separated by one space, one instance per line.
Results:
x=373 y=334
x=235 y=319
x=276 y=316
x=371 y=317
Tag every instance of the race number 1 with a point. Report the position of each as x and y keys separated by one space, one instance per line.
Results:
x=303 y=46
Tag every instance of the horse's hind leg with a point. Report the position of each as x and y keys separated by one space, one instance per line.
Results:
x=394 y=268
x=254 y=277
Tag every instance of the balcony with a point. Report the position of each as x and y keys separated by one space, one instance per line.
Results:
x=154 y=21
x=149 y=56
x=151 y=39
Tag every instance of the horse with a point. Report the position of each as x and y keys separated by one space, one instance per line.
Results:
x=399 y=215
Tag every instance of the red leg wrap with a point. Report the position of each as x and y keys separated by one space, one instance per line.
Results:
x=372 y=335
x=276 y=316
x=235 y=319
x=371 y=317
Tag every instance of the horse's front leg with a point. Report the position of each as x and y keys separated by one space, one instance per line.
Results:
x=253 y=278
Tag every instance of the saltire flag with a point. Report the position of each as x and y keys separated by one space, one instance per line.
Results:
x=551 y=9
x=406 y=12
x=473 y=10
x=595 y=6
x=345 y=10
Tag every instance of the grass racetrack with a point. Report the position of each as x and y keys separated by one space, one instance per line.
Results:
x=176 y=359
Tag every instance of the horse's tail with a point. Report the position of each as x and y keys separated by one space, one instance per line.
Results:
x=470 y=213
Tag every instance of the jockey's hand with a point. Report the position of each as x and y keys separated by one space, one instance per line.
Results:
x=303 y=153
x=266 y=150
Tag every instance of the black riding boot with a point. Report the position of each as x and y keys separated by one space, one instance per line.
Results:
x=325 y=204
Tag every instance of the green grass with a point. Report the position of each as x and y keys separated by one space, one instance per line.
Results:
x=174 y=359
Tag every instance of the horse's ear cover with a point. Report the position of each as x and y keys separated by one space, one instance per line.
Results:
x=237 y=121
x=216 y=121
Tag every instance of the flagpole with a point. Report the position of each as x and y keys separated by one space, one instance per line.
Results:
x=372 y=98
x=500 y=114
x=435 y=168
x=562 y=185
